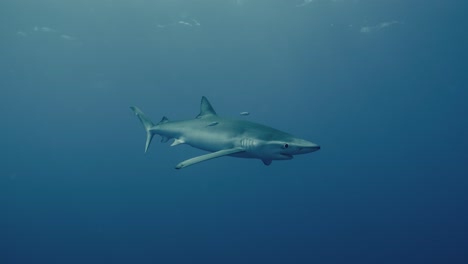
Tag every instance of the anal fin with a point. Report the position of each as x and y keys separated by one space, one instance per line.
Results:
x=208 y=156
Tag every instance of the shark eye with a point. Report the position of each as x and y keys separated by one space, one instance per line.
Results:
x=285 y=146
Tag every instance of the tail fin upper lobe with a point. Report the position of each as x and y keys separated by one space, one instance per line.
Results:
x=147 y=123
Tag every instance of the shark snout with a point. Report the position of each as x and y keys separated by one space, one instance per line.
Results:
x=315 y=148
x=307 y=147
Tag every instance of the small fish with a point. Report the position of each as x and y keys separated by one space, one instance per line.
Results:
x=21 y=34
x=212 y=124
x=185 y=23
x=244 y=113
x=387 y=24
x=196 y=22
x=46 y=29
x=67 y=37
x=306 y=2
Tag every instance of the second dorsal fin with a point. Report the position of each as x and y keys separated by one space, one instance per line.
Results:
x=163 y=120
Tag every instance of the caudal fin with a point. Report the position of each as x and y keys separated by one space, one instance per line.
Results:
x=146 y=123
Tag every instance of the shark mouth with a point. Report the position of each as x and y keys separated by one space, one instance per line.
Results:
x=287 y=156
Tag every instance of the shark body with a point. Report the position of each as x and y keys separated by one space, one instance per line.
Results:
x=225 y=137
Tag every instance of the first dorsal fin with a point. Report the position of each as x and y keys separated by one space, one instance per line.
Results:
x=205 y=108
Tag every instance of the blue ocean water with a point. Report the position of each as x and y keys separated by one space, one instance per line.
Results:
x=380 y=85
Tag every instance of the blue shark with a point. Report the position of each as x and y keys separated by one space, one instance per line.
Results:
x=225 y=137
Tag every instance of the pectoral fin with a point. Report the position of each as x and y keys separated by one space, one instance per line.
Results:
x=208 y=156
